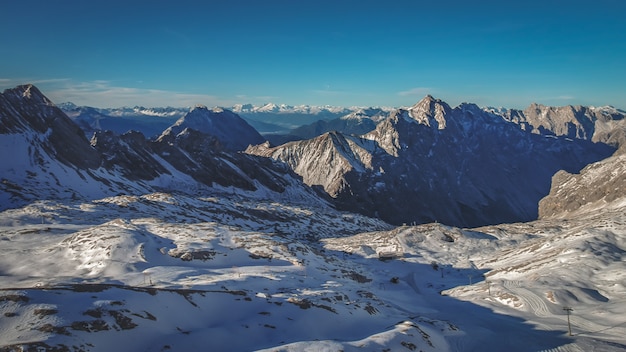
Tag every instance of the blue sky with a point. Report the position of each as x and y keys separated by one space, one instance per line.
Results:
x=366 y=53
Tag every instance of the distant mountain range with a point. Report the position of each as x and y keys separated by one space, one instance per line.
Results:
x=274 y=121
x=464 y=166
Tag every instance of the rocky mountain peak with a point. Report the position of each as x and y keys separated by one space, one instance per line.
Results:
x=31 y=93
x=26 y=109
x=430 y=112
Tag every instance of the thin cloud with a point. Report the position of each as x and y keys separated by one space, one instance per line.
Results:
x=101 y=93
x=261 y=99
x=13 y=82
x=416 y=92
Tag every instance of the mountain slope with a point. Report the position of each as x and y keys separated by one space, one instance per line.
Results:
x=173 y=271
x=46 y=155
x=461 y=166
x=598 y=124
x=339 y=155
x=598 y=186
x=233 y=132
x=25 y=109
x=149 y=121
x=357 y=123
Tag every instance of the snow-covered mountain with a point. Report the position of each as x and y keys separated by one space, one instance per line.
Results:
x=463 y=166
x=233 y=132
x=359 y=121
x=149 y=121
x=346 y=125
x=269 y=118
x=287 y=117
x=167 y=271
x=46 y=155
x=291 y=109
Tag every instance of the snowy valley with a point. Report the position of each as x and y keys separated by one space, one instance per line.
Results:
x=185 y=242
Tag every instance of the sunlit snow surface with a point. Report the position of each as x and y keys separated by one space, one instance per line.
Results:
x=172 y=272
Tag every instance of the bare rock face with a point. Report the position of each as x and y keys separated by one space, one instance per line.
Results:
x=562 y=121
x=203 y=157
x=322 y=161
x=131 y=153
x=597 y=185
x=598 y=124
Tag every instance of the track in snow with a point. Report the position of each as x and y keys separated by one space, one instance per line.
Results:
x=580 y=325
x=535 y=303
x=567 y=348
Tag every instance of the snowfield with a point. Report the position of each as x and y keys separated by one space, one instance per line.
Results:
x=172 y=272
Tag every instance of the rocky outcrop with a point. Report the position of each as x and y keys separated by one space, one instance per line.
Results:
x=598 y=124
x=596 y=186
x=322 y=161
x=203 y=157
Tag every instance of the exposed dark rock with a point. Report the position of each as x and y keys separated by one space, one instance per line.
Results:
x=130 y=153
x=25 y=108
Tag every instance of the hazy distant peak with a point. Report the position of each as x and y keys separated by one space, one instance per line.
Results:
x=68 y=105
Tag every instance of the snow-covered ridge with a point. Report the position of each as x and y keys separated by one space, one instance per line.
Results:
x=284 y=108
x=135 y=111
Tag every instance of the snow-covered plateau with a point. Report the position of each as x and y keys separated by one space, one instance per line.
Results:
x=171 y=272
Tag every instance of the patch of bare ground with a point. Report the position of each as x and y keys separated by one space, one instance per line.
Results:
x=356 y=276
x=306 y=304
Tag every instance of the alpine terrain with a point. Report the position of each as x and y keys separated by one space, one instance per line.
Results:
x=463 y=166
x=180 y=240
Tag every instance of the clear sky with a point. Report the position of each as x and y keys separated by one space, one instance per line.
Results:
x=340 y=52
